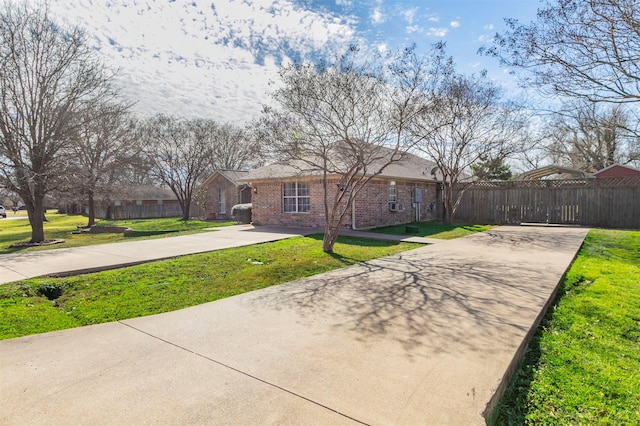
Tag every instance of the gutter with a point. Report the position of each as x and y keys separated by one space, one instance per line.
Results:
x=353 y=214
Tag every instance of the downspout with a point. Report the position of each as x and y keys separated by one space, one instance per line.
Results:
x=353 y=214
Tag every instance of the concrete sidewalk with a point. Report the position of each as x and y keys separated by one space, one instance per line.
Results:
x=424 y=337
x=69 y=261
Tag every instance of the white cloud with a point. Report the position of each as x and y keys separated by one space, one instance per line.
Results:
x=486 y=39
x=488 y=27
x=202 y=59
x=433 y=18
x=437 y=32
x=414 y=29
x=377 y=17
x=344 y=2
x=409 y=15
x=454 y=24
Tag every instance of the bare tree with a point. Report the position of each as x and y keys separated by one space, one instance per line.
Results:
x=105 y=146
x=579 y=48
x=469 y=124
x=234 y=148
x=48 y=75
x=180 y=151
x=590 y=136
x=346 y=122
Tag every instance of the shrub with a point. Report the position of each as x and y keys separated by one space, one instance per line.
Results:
x=241 y=213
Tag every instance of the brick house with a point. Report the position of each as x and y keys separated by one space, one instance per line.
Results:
x=617 y=170
x=223 y=190
x=404 y=192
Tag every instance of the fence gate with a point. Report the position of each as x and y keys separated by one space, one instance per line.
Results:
x=610 y=202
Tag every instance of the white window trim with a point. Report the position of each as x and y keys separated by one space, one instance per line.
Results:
x=297 y=197
x=393 y=192
x=222 y=202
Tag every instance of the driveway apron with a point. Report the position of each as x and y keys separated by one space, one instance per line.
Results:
x=424 y=337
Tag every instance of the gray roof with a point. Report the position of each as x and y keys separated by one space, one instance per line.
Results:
x=236 y=177
x=409 y=167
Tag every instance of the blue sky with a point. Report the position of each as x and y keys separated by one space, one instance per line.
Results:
x=215 y=58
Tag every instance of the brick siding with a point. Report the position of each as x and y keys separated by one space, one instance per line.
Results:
x=371 y=204
x=231 y=198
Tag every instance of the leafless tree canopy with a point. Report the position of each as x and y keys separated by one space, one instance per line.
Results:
x=345 y=120
x=590 y=136
x=581 y=48
x=469 y=123
x=234 y=148
x=48 y=76
x=104 y=148
x=180 y=152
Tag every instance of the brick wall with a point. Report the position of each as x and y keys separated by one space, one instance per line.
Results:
x=371 y=205
x=268 y=210
x=231 y=198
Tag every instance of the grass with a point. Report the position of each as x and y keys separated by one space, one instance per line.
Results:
x=582 y=366
x=165 y=224
x=174 y=284
x=61 y=226
x=434 y=230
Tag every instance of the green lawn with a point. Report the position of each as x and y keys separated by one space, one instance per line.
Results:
x=434 y=230
x=165 y=224
x=583 y=365
x=173 y=284
x=62 y=226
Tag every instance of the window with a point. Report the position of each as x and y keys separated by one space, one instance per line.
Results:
x=222 y=207
x=393 y=192
x=295 y=197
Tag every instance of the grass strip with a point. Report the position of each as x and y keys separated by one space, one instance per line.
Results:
x=433 y=230
x=174 y=284
x=582 y=366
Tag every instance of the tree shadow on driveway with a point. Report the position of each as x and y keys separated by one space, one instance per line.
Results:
x=475 y=297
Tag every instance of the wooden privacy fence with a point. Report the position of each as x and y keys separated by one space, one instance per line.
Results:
x=603 y=202
x=139 y=211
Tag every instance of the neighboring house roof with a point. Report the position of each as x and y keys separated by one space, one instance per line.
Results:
x=409 y=167
x=236 y=177
x=617 y=170
x=552 y=170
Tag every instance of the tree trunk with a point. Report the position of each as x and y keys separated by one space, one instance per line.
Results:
x=447 y=217
x=332 y=228
x=36 y=219
x=329 y=240
x=92 y=210
x=185 y=205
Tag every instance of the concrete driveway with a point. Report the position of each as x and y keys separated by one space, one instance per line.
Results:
x=423 y=337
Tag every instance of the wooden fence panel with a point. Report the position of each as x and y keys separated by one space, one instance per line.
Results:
x=604 y=202
x=139 y=211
